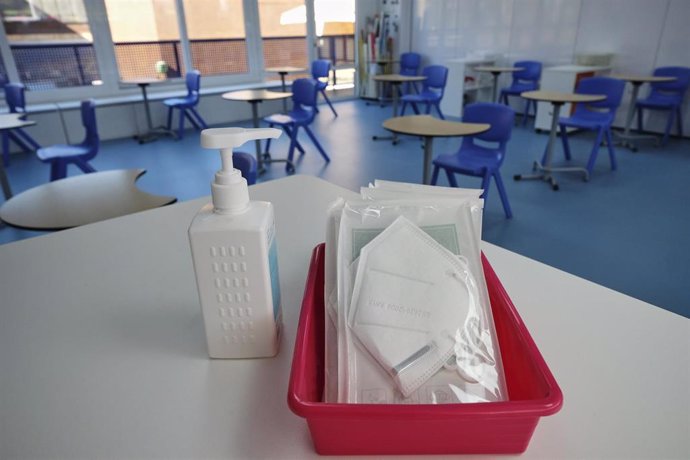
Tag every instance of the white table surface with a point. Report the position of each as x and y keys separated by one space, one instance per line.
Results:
x=102 y=349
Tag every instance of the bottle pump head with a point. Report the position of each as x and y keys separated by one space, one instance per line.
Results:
x=229 y=189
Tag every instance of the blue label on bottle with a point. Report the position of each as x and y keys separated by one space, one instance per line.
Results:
x=275 y=281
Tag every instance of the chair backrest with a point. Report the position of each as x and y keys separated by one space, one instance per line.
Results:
x=499 y=116
x=436 y=78
x=14 y=97
x=246 y=164
x=88 y=120
x=531 y=71
x=409 y=63
x=612 y=88
x=193 y=81
x=679 y=85
x=304 y=94
x=320 y=68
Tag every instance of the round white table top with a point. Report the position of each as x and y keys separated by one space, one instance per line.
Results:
x=80 y=200
x=428 y=126
x=142 y=81
x=285 y=69
x=253 y=95
x=643 y=78
x=397 y=78
x=497 y=69
x=561 y=98
x=13 y=120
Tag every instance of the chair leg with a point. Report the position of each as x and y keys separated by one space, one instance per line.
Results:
x=639 y=119
x=5 y=148
x=486 y=182
x=180 y=128
x=58 y=169
x=679 y=117
x=669 y=124
x=191 y=119
x=317 y=144
x=415 y=109
x=84 y=166
x=612 y=152
x=170 y=114
x=434 y=175
x=297 y=144
x=268 y=142
x=293 y=141
x=28 y=139
x=451 y=178
x=526 y=113
x=428 y=108
x=402 y=108
x=566 y=144
x=502 y=193
x=328 y=101
x=595 y=151
x=21 y=143
x=438 y=109
x=201 y=121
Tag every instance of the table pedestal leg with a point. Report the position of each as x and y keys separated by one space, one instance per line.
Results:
x=282 y=86
x=394 y=137
x=546 y=169
x=153 y=133
x=626 y=137
x=428 y=150
x=262 y=159
x=6 y=190
x=495 y=75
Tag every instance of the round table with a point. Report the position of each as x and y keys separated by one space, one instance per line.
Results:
x=495 y=72
x=395 y=80
x=382 y=63
x=254 y=97
x=8 y=122
x=636 y=81
x=80 y=200
x=428 y=128
x=153 y=133
x=283 y=71
x=557 y=99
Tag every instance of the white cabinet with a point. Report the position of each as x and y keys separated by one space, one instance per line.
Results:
x=463 y=80
x=562 y=78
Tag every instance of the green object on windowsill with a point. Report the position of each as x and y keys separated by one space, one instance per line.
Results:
x=162 y=69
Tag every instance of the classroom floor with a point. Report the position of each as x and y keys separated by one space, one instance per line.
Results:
x=627 y=230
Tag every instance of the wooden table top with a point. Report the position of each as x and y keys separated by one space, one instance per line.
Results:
x=285 y=69
x=558 y=97
x=491 y=68
x=252 y=95
x=13 y=120
x=397 y=78
x=80 y=200
x=643 y=78
x=428 y=126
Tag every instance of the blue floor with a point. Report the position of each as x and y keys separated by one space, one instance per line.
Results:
x=628 y=230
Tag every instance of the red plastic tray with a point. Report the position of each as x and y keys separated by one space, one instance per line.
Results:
x=480 y=428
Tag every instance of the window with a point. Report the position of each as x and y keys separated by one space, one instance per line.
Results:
x=284 y=32
x=51 y=43
x=216 y=33
x=335 y=31
x=146 y=38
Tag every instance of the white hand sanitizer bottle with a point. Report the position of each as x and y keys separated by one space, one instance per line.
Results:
x=235 y=260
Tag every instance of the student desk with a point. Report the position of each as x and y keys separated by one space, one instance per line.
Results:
x=103 y=353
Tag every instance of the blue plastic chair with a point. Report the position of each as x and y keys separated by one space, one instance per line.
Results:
x=523 y=80
x=432 y=90
x=304 y=94
x=409 y=66
x=59 y=156
x=246 y=164
x=14 y=97
x=187 y=104
x=667 y=96
x=478 y=160
x=321 y=68
x=594 y=116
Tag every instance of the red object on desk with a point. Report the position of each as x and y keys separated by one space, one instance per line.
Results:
x=375 y=429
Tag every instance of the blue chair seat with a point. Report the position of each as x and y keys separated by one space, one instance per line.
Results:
x=667 y=96
x=180 y=102
x=587 y=120
x=432 y=91
x=321 y=84
x=518 y=88
x=660 y=100
x=471 y=161
x=61 y=151
x=295 y=116
x=424 y=96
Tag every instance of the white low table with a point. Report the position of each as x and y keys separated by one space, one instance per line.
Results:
x=103 y=354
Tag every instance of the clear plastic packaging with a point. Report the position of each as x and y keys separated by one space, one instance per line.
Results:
x=471 y=370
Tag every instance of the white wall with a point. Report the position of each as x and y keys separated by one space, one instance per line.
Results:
x=643 y=34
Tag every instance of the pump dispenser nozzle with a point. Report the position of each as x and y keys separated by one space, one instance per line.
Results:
x=229 y=189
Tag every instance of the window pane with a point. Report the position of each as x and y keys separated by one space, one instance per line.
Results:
x=146 y=38
x=216 y=36
x=51 y=43
x=335 y=28
x=284 y=32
